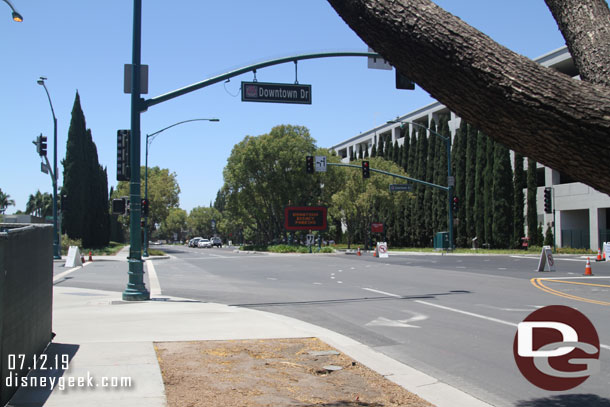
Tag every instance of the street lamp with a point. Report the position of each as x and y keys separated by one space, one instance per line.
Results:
x=56 y=245
x=149 y=139
x=450 y=182
x=16 y=16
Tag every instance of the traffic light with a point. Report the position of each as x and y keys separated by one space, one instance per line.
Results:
x=144 y=207
x=119 y=206
x=43 y=145
x=366 y=171
x=548 y=204
x=122 y=161
x=309 y=164
x=455 y=204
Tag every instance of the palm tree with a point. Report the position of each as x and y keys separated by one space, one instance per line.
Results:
x=39 y=204
x=5 y=201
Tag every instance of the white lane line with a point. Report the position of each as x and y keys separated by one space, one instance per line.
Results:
x=383 y=292
x=155 y=287
x=65 y=273
x=472 y=314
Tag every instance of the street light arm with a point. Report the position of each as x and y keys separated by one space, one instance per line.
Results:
x=16 y=16
x=176 y=124
x=42 y=82
x=420 y=126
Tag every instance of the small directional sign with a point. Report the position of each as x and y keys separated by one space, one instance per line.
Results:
x=275 y=93
x=401 y=187
x=320 y=163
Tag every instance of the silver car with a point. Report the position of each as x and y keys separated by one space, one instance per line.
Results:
x=205 y=243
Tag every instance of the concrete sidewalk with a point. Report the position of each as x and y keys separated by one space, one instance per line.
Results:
x=108 y=339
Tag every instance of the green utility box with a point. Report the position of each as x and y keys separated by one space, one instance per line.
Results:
x=441 y=241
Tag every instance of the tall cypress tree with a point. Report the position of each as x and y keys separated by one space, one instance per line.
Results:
x=75 y=174
x=396 y=156
x=479 y=185
x=502 y=190
x=429 y=214
x=459 y=162
x=405 y=153
x=85 y=185
x=380 y=152
x=518 y=207
x=419 y=223
x=441 y=199
x=468 y=202
x=488 y=185
x=532 y=211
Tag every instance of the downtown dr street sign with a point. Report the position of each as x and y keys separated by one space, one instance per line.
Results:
x=275 y=93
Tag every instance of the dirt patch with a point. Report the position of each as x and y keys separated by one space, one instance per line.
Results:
x=272 y=372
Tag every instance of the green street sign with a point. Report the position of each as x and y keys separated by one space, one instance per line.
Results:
x=275 y=93
x=401 y=187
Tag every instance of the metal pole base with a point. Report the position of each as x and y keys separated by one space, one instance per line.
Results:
x=56 y=252
x=136 y=290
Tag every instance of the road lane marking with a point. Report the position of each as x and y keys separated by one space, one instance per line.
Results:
x=472 y=314
x=65 y=273
x=538 y=283
x=398 y=323
x=155 y=287
x=383 y=292
x=574 y=282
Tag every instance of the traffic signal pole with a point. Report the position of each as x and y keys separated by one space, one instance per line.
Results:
x=136 y=290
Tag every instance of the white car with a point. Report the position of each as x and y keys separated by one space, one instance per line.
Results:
x=205 y=243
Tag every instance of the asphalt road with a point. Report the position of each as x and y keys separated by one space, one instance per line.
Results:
x=453 y=317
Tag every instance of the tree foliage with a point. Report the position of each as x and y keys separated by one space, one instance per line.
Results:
x=40 y=204
x=468 y=72
x=85 y=185
x=163 y=194
x=5 y=201
x=266 y=173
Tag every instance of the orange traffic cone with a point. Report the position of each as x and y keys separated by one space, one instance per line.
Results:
x=359 y=254
x=588 y=271
x=375 y=252
x=604 y=256
x=599 y=255
x=90 y=258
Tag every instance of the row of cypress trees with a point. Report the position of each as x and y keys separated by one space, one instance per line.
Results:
x=490 y=193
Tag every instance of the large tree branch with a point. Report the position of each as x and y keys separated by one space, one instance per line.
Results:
x=584 y=25
x=536 y=111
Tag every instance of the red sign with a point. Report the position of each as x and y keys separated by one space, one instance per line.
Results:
x=305 y=218
x=377 y=227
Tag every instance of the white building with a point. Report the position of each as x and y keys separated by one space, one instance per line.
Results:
x=582 y=214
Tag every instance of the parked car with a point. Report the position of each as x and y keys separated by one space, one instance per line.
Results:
x=205 y=243
x=216 y=241
x=193 y=242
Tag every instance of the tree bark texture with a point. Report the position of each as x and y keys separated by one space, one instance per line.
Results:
x=540 y=113
x=585 y=25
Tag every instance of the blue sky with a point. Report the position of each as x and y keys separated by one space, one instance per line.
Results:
x=83 y=45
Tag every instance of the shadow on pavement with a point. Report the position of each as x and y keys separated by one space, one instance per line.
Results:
x=347 y=300
x=42 y=381
x=567 y=400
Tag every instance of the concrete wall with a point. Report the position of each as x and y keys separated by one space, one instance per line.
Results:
x=26 y=296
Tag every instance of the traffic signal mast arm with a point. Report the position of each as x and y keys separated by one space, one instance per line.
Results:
x=145 y=104
x=392 y=175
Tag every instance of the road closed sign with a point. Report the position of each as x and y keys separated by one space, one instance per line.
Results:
x=382 y=250
x=546 y=263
